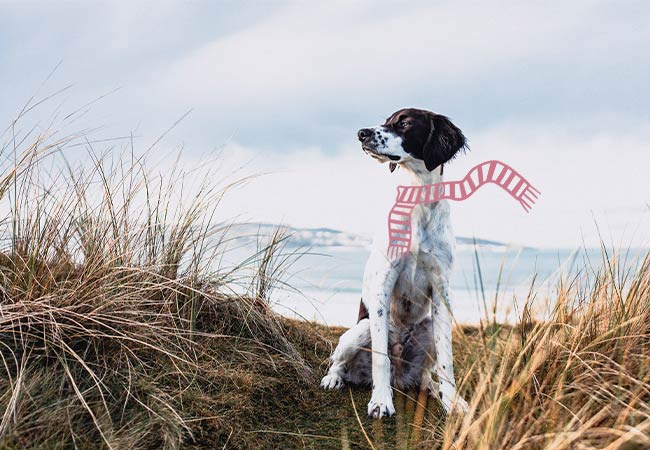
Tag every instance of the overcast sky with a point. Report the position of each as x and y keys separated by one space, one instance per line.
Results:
x=559 y=90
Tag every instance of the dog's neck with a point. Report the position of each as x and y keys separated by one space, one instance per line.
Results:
x=428 y=189
x=418 y=175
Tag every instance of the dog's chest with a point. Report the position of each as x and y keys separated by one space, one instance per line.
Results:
x=430 y=258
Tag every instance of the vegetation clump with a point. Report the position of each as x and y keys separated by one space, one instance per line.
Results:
x=119 y=328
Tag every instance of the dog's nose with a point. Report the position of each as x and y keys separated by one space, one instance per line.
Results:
x=364 y=134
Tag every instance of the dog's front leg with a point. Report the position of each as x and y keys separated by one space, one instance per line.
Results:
x=379 y=280
x=444 y=366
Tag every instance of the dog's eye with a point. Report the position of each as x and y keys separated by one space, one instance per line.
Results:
x=402 y=124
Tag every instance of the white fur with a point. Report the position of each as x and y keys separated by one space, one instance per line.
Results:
x=422 y=274
x=349 y=343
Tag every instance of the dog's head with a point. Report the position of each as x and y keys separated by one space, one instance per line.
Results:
x=413 y=134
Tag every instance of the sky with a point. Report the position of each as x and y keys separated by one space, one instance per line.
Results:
x=558 y=90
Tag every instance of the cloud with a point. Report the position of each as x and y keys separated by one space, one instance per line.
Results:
x=580 y=185
x=286 y=75
x=583 y=179
x=558 y=90
x=306 y=52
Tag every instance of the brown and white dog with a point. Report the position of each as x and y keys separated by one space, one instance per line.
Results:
x=405 y=306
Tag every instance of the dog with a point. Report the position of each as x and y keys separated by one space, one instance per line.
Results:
x=403 y=334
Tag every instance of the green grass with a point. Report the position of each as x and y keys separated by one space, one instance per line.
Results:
x=119 y=328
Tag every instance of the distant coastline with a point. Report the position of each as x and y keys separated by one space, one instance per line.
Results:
x=329 y=237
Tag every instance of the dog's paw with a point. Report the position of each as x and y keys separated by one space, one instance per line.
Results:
x=451 y=401
x=381 y=403
x=332 y=381
x=460 y=405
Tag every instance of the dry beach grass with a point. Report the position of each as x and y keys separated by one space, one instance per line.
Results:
x=120 y=329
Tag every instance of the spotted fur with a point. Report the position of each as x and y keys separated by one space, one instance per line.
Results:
x=409 y=296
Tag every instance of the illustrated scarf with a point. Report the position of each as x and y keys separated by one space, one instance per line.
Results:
x=408 y=197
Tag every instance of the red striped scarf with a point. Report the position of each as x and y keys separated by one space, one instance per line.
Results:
x=408 y=197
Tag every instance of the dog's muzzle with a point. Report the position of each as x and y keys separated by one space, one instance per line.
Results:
x=375 y=154
x=369 y=145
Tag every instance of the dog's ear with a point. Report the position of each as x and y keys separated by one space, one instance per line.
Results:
x=443 y=143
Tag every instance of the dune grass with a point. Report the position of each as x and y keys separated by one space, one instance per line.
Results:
x=119 y=328
x=578 y=379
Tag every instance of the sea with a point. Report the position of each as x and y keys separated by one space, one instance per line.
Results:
x=317 y=274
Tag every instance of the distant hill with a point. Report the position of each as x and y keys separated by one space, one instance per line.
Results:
x=328 y=237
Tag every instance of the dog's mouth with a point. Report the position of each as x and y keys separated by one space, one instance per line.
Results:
x=379 y=156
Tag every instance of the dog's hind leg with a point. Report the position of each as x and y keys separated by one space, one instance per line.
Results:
x=350 y=343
